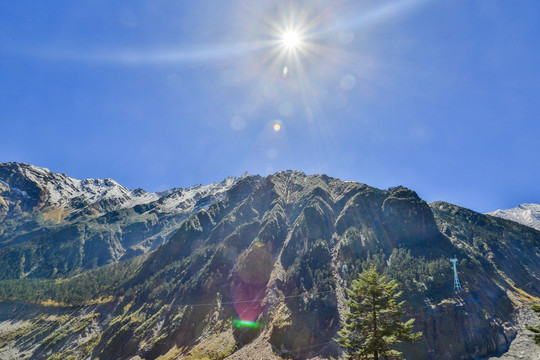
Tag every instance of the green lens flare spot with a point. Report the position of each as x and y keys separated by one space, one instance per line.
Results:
x=244 y=323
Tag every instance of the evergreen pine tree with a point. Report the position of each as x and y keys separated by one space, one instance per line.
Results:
x=374 y=323
x=536 y=330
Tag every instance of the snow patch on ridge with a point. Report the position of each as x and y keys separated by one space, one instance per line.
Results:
x=192 y=198
x=526 y=214
x=63 y=191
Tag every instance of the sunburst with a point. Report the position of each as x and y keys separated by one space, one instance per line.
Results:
x=291 y=39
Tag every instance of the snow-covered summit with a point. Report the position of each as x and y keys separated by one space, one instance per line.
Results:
x=526 y=214
x=41 y=188
x=195 y=197
x=59 y=190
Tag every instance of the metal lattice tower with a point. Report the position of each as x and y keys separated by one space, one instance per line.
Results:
x=457 y=285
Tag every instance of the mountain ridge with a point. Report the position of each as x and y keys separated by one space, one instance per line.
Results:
x=279 y=251
x=60 y=190
x=527 y=214
x=93 y=221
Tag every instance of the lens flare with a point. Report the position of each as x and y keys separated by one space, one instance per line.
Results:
x=277 y=127
x=245 y=324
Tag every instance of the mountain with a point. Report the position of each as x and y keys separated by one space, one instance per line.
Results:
x=26 y=188
x=52 y=225
x=526 y=214
x=261 y=272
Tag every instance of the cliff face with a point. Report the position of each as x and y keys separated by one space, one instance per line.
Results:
x=264 y=270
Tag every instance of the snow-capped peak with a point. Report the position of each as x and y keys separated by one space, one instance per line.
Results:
x=526 y=214
x=60 y=190
x=46 y=188
x=193 y=198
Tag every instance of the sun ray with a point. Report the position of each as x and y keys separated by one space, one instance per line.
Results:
x=157 y=56
x=372 y=17
x=303 y=61
x=320 y=129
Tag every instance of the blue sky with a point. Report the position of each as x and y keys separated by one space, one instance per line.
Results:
x=439 y=96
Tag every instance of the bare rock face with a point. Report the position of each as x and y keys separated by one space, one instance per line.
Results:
x=260 y=272
x=18 y=194
x=522 y=347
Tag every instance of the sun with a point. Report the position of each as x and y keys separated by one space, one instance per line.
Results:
x=291 y=39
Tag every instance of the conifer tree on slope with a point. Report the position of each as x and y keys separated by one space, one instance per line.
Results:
x=374 y=323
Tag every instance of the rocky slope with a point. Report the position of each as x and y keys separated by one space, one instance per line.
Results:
x=53 y=225
x=526 y=214
x=523 y=346
x=27 y=188
x=262 y=273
